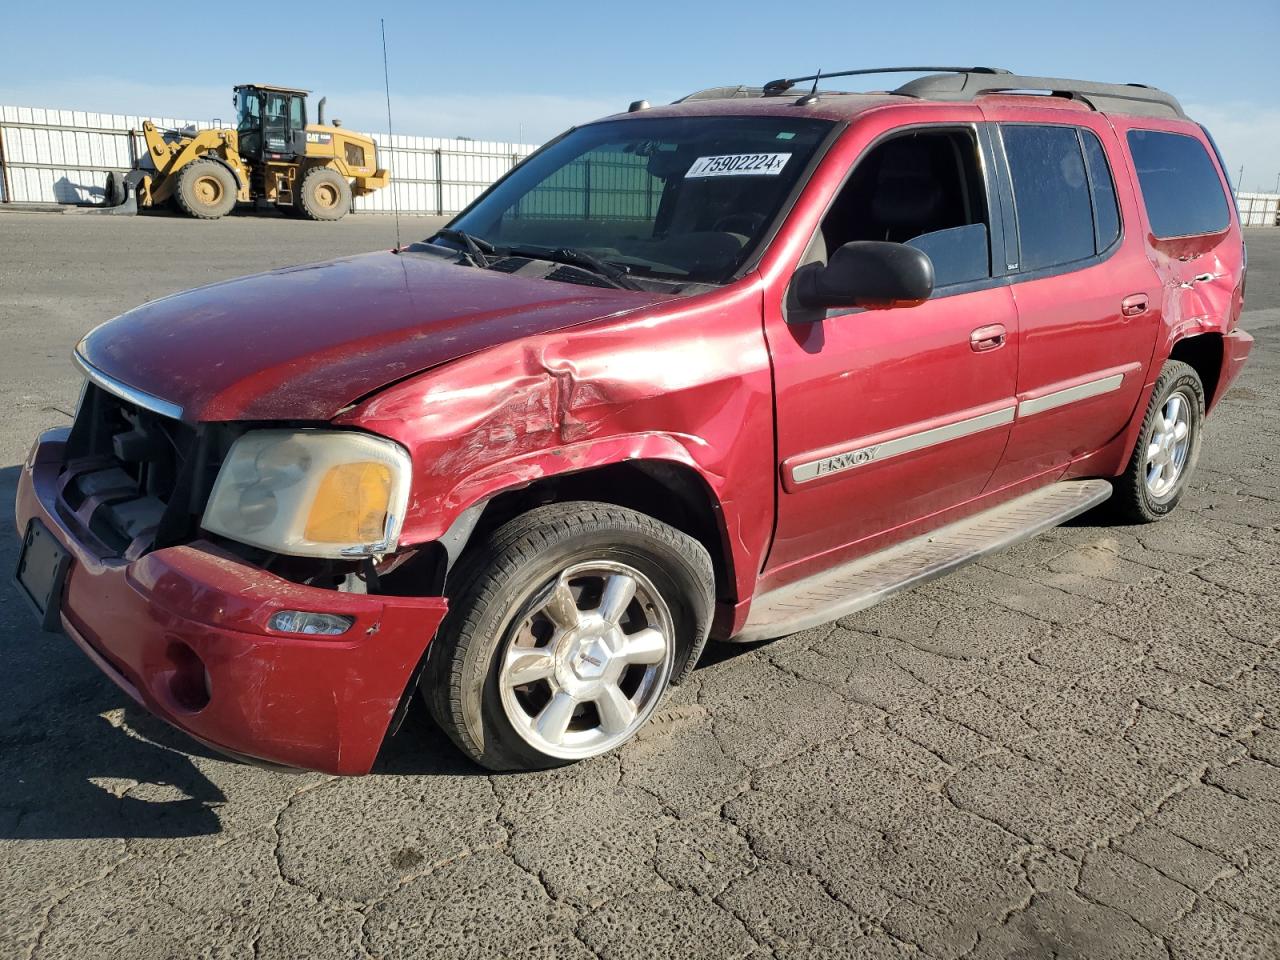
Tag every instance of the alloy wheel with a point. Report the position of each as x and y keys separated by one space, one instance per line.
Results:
x=1169 y=444
x=583 y=671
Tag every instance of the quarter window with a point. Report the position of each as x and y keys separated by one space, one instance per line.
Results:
x=1106 y=216
x=1051 y=194
x=1180 y=187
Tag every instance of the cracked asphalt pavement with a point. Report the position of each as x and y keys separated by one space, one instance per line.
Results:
x=1071 y=750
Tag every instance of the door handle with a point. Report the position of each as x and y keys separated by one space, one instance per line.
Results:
x=1134 y=305
x=990 y=337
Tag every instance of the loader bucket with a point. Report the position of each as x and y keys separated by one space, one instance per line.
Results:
x=122 y=193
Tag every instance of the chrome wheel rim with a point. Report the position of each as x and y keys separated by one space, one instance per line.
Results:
x=1169 y=444
x=584 y=669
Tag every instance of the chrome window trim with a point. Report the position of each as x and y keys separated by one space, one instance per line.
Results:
x=133 y=395
x=863 y=454
x=1060 y=398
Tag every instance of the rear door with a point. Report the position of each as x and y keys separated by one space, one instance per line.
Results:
x=1088 y=300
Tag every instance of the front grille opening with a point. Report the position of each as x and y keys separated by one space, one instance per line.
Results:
x=132 y=477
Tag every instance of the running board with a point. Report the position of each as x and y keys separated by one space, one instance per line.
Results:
x=866 y=581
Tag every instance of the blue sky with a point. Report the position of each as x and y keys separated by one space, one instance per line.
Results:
x=525 y=70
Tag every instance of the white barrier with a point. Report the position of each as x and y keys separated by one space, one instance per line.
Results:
x=1258 y=209
x=64 y=156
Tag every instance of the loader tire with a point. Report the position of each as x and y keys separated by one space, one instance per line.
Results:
x=325 y=195
x=206 y=190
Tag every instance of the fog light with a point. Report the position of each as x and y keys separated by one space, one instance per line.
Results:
x=298 y=621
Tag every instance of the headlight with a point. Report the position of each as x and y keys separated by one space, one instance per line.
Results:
x=311 y=493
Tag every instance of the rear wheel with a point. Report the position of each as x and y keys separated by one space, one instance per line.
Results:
x=325 y=195
x=206 y=190
x=1167 y=448
x=564 y=630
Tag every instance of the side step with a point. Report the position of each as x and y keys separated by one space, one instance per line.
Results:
x=866 y=581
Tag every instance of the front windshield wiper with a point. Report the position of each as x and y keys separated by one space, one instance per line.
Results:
x=475 y=248
x=579 y=258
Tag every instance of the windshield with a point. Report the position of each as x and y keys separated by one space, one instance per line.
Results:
x=685 y=199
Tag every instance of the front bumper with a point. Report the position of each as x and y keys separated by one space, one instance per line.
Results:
x=183 y=631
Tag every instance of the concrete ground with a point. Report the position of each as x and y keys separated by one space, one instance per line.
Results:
x=1071 y=751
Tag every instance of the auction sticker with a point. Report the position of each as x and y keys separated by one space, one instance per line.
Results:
x=739 y=165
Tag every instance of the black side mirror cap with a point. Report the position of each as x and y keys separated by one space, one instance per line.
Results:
x=872 y=274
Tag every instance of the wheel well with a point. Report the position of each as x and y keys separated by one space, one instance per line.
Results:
x=669 y=492
x=1204 y=354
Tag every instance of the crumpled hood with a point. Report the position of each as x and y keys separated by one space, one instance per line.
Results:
x=303 y=342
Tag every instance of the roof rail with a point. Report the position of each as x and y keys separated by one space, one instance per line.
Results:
x=960 y=85
x=776 y=88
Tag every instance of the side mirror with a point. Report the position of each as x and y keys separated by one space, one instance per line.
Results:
x=867 y=273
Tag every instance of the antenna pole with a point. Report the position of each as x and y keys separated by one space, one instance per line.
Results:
x=386 y=79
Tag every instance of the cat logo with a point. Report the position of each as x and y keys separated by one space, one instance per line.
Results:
x=319 y=137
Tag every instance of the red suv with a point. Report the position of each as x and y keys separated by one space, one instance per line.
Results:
x=726 y=368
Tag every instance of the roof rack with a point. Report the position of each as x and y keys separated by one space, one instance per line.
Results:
x=963 y=84
x=776 y=88
x=1134 y=98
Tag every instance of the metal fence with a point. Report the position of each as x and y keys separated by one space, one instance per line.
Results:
x=64 y=156
x=1259 y=209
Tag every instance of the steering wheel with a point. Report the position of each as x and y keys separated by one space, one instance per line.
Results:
x=745 y=224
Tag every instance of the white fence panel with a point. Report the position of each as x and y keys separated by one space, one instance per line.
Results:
x=1259 y=209
x=64 y=156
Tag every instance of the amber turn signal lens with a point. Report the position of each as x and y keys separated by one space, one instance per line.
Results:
x=351 y=504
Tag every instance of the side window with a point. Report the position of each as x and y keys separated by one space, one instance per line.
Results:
x=1180 y=187
x=1106 y=216
x=925 y=189
x=1050 y=193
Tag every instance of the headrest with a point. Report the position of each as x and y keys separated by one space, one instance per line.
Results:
x=906 y=193
x=905 y=200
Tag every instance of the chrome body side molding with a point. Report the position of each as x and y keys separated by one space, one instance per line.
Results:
x=1060 y=398
x=861 y=454
x=135 y=396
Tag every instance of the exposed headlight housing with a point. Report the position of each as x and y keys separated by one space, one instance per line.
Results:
x=312 y=493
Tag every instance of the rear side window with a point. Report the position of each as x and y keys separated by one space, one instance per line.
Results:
x=1051 y=194
x=1106 y=217
x=1180 y=187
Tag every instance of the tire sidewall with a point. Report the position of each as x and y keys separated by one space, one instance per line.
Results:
x=200 y=168
x=325 y=174
x=487 y=727
x=1182 y=379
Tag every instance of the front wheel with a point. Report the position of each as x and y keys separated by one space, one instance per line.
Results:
x=206 y=190
x=1167 y=449
x=324 y=195
x=565 y=627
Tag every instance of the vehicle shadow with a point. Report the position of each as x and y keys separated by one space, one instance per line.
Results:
x=77 y=758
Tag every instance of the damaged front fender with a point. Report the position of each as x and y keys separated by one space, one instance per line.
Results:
x=695 y=393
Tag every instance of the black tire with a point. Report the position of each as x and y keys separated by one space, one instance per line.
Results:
x=113 y=194
x=324 y=195
x=500 y=580
x=1134 y=500
x=206 y=190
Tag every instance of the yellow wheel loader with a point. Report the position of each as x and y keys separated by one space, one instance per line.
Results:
x=273 y=156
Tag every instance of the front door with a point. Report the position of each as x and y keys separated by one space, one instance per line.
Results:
x=885 y=417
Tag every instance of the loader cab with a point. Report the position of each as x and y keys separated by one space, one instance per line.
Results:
x=270 y=121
